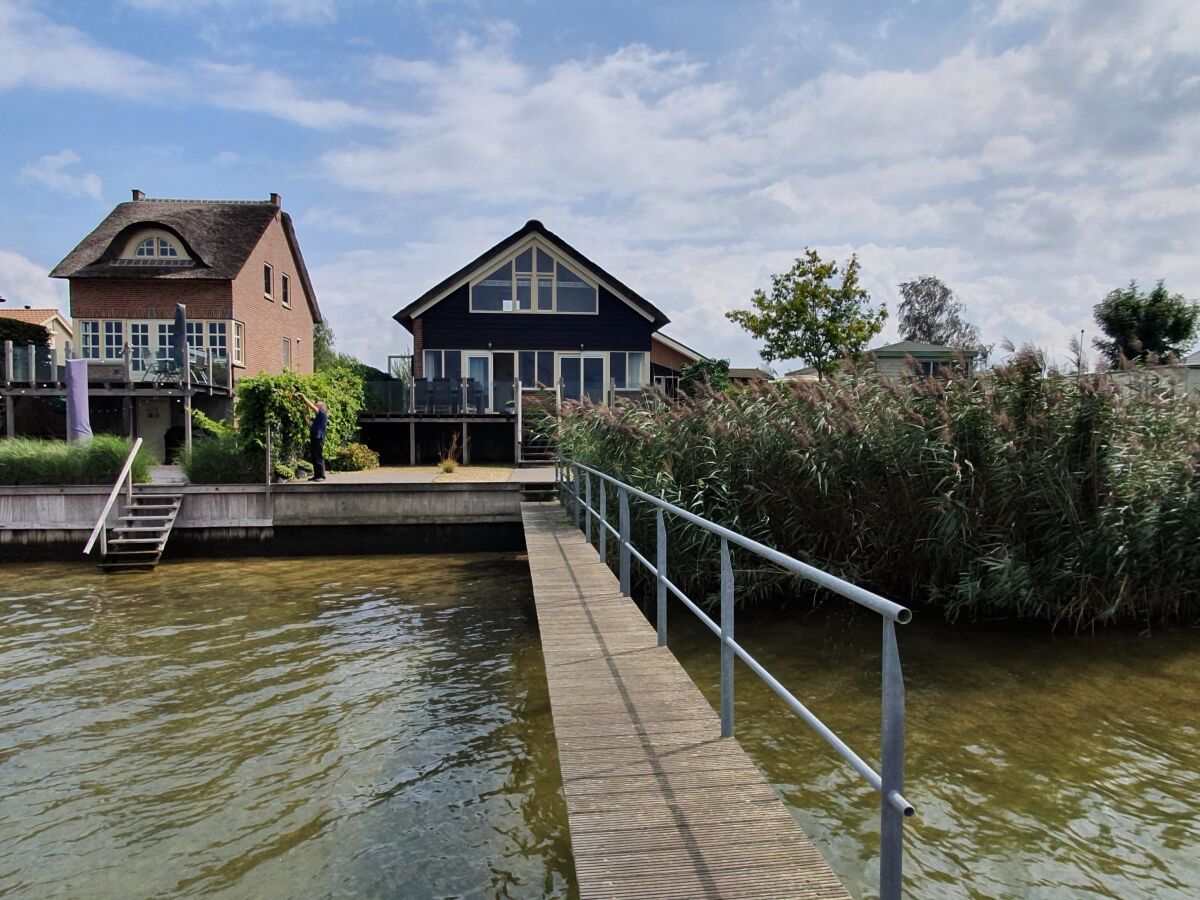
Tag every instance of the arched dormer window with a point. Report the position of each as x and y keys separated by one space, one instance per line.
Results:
x=156 y=244
x=535 y=281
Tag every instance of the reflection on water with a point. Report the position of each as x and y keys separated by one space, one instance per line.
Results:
x=1039 y=766
x=341 y=727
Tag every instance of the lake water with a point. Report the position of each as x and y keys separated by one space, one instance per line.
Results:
x=379 y=727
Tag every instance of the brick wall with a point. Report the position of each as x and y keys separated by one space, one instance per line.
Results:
x=268 y=322
x=105 y=298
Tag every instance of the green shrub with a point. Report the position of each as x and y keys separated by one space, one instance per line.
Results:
x=283 y=472
x=353 y=458
x=222 y=460
x=95 y=461
x=303 y=465
x=1014 y=494
x=276 y=398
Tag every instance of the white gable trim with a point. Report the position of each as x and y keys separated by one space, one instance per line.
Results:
x=533 y=240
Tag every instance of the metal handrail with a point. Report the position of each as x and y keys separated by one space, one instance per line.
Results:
x=125 y=476
x=889 y=783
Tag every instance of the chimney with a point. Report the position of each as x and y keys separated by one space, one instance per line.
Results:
x=277 y=200
x=138 y=195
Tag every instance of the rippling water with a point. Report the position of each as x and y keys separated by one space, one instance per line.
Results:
x=343 y=727
x=1039 y=766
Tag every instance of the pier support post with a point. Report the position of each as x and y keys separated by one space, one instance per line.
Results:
x=412 y=443
x=10 y=425
x=726 y=637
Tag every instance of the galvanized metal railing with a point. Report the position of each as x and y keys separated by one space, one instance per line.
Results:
x=889 y=782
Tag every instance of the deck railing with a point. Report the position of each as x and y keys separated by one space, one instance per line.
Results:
x=574 y=483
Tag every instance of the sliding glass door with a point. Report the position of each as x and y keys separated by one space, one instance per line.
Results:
x=582 y=375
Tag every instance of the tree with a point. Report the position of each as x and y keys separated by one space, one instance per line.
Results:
x=932 y=314
x=809 y=315
x=713 y=372
x=1147 y=327
x=21 y=333
x=324 y=357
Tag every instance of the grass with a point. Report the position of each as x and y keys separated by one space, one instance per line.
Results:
x=1018 y=495
x=95 y=461
x=222 y=460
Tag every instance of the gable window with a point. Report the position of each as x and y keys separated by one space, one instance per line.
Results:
x=285 y=290
x=533 y=281
x=89 y=339
x=239 y=344
x=287 y=353
x=268 y=281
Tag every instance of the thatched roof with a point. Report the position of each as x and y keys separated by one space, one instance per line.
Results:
x=218 y=235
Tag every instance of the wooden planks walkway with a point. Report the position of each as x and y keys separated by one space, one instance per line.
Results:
x=659 y=804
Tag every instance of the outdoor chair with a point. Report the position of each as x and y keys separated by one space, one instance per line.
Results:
x=158 y=369
x=441 y=395
x=420 y=396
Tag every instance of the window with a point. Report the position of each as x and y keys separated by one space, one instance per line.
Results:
x=155 y=247
x=443 y=364
x=89 y=339
x=218 y=338
x=285 y=290
x=239 y=344
x=533 y=281
x=139 y=344
x=268 y=281
x=195 y=335
x=114 y=340
x=166 y=337
x=287 y=353
x=536 y=368
x=627 y=370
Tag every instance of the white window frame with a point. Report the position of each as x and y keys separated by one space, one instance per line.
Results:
x=269 y=281
x=164 y=335
x=285 y=290
x=217 y=328
x=239 y=343
x=90 y=344
x=510 y=260
x=645 y=368
x=156 y=235
x=151 y=337
x=559 y=356
x=118 y=350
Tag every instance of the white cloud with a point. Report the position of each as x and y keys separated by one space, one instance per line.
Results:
x=247 y=12
x=51 y=171
x=245 y=88
x=25 y=283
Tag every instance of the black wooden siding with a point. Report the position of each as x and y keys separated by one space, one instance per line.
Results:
x=450 y=325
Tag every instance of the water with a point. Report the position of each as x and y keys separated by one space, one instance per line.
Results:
x=379 y=727
x=1040 y=766
x=344 y=727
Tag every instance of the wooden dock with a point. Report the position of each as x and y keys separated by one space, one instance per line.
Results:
x=660 y=806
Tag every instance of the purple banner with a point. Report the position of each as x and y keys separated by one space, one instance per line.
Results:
x=79 y=423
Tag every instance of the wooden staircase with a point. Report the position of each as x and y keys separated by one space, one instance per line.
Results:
x=145 y=525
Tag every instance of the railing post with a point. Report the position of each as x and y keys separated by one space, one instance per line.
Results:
x=31 y=365
x=603 y=523
x=623 y=500
x=575 y=490
x=891 y=820
x=517 y=408
x=208 y=367
x=726 y=637
x=587 y=505
x=127 y=354
x=270 y=510
x=8 y=362
x=660 y=564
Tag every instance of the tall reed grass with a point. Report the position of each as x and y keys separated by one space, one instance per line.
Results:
x=1011 y=495
x=94 y=461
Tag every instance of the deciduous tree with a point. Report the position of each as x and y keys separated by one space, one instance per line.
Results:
x=812 y=314
x=1157 y=326
x=932 y=314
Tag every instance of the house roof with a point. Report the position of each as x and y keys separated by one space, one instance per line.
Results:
x=439 y=291
x=918 y=348
x=755 y=373
x=36 y=316
x=678 y=347
x=219 y=235
x=1192 y=359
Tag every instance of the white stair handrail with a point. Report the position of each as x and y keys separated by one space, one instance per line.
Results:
x=126 y=473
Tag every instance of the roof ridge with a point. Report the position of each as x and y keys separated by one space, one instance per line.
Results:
x=185 y=200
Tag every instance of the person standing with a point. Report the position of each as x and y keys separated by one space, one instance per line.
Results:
x=316 y=436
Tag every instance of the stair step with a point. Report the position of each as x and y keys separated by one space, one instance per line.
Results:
x=141 y=506
x=122 y=541
x=156 y=529
x=120 y=553
x=129 y=517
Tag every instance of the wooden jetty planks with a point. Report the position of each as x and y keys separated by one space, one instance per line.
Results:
x=660 y=806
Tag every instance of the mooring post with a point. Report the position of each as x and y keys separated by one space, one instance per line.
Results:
x=623 y=500
x=726 y=637
x=575 y=489
x=891 y=819
x=603 y=524
x=660 y=564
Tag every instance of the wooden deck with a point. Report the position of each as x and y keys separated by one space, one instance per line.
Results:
x=659 y=804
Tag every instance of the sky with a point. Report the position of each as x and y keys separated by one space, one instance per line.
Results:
x=1034 y=154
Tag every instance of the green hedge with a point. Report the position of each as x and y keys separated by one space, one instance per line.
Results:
x=95 y=461
x=222 y=459
x=276 y=398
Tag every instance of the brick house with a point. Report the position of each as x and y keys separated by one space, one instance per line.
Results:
x=55 y=323
x=237 y=268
